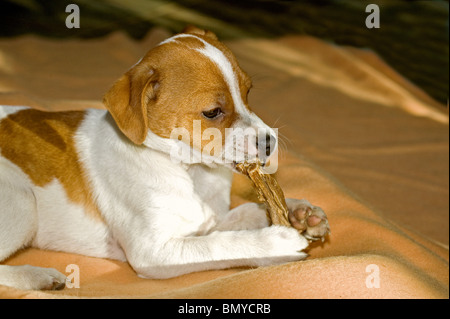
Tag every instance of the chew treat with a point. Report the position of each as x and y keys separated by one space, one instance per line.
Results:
x=268 y=191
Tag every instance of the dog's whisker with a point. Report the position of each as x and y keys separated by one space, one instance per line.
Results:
x=283 y=142
x=276 y=121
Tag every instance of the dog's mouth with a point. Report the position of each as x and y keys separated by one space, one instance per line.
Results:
x=234 y=165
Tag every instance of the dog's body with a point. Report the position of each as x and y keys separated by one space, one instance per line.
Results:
x=103 y=183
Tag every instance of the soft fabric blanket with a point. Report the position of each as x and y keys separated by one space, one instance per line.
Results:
x=360 y=141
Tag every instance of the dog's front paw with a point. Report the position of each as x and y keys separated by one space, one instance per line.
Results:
x=282 y=244
x=28 y=277
x=308 y=219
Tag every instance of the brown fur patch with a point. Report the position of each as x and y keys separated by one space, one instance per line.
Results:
x=42 y=145
x=182 y=83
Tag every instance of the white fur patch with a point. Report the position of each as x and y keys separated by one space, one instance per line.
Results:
x=64 y=226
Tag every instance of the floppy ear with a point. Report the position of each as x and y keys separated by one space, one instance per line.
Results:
x=128 y=101
x=194 y=30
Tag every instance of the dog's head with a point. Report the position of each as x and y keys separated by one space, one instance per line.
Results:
x=191 y=84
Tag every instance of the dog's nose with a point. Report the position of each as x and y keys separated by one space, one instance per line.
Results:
x=266 y=145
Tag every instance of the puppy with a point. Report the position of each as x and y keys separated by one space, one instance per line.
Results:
x=106 y=183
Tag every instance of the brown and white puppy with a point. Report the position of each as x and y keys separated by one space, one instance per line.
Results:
x=121 y=183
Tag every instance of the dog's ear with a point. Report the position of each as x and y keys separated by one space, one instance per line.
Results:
x=128 y=101
x=194 y=30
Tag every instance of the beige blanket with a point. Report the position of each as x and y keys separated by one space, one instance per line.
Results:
x=360 y=141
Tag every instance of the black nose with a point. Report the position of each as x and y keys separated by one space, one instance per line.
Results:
x=265 y=145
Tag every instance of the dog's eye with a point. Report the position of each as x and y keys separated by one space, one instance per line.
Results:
x=212 y=114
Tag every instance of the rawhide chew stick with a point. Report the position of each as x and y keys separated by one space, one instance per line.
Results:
x=268 y=191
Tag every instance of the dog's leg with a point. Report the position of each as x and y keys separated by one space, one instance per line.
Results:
x=28 y=277
x=241 y=238
x=219 y=250
x=17 y=228
x=310 y=220
x=243 y=217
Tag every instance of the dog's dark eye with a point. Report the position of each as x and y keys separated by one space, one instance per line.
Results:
x=212 y=114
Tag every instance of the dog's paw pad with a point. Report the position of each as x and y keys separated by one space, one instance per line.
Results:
x=313 y=221
x=310 y=220
x=298 y=217
x=57 y=284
